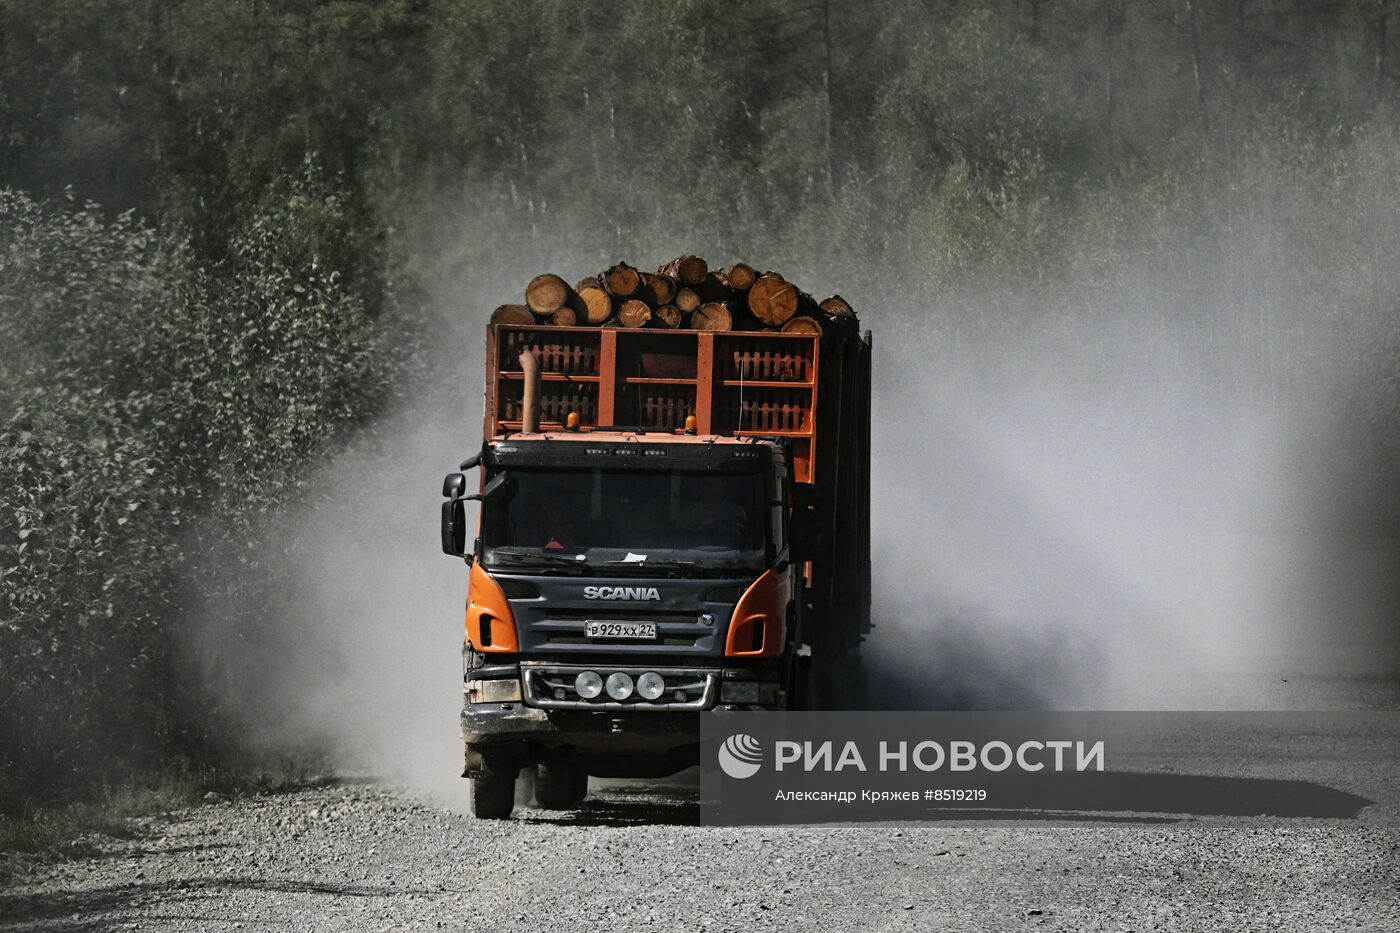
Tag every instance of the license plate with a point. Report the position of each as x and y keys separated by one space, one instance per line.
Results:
x=603 y=629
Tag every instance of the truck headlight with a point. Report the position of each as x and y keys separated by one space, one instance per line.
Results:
x=651 y=685
x=619 y=685
x=494 y=691
x=588 y=684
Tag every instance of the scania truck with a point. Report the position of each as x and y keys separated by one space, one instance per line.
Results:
x=670 y=521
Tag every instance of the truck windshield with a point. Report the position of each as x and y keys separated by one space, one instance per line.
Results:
x=618 y=523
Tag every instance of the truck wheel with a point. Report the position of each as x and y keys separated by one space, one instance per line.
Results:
x=493 y=793
x=560 y=786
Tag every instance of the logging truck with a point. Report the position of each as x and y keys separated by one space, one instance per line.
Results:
x=672 y=519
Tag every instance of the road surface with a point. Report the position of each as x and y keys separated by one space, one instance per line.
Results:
x=360 y=855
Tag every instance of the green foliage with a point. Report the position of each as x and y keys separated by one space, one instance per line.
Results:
x=159 y=410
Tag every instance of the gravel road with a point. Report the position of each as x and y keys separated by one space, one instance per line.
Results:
x=365 y=856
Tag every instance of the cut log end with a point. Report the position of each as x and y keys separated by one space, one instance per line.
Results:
x=669 y=316
x=802 y=324
x=594 y=304
x=773 y=300
x=687 y=299
x=512 y=314
x=687 y=270
x=622 y=281
x=712 y=316
x=546 y=294
x=634 y=313
x=836 y=306
x=564 y=317
x=661 y=288
x=742 y=276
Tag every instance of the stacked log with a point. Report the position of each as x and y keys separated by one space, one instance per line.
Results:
x=546 y=294
x=622 y=281
x=634 y=313
x=512 y=314
x=773 y=300
x=687 y=270
x=742 y=276
x=712 y=316
x=685 y=293
x=594 y=303
x=661 y=289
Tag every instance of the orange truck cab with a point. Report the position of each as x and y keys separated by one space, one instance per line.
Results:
x=670 y=522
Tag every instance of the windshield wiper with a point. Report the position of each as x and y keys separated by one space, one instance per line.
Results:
x=519 y=559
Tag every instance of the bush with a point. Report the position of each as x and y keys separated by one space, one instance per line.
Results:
x=159 y=410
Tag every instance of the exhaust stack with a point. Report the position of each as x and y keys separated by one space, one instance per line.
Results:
x=530 y=417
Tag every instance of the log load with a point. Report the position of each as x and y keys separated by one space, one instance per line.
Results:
x=546 y=294
x=687 y=270
x=634 y=313
x=772 y=299
x=684 y=293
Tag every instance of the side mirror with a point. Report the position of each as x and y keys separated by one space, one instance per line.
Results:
x=454 y=528
x=453 y=485
x=454 y=511
x=804 y=530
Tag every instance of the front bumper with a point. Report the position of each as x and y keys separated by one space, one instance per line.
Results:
x=491 y=723
x=606 y=745
x=551 y=686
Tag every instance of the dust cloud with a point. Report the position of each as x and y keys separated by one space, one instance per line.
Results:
x=1084 y=498
x=1094 y=501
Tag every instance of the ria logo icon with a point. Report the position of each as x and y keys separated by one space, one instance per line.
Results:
x=740 y=756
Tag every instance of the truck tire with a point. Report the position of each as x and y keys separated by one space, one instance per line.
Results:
x=560 y=786
x=493 y=792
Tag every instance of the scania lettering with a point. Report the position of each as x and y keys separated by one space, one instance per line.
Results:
x=620 y=592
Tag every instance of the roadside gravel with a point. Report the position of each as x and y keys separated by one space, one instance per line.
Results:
x=365 y=856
